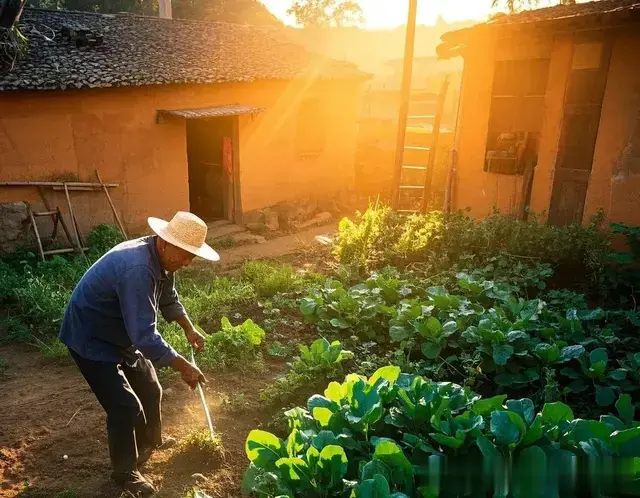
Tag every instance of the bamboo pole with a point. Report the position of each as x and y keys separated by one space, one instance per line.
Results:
x=37 y=232
x=113 y=208
x=73 y=221
x=58 y=184
x=404 y=99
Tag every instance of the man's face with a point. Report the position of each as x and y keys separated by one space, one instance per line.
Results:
x=173 y=258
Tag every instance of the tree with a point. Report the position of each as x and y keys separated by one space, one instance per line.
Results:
x=518 y=5
x=326 y=12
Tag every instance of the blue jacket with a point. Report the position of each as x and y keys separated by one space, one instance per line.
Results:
x=113 y=309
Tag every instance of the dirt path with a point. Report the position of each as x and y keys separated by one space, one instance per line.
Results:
x=39 y=397
x=274 y=248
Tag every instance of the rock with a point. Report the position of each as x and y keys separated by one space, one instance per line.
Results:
x=253 y=217
x=318 y=219
x=199 y=478
x=223 y=232
x=248 y=238
x=257 y=227
x=168 y=391
x=271 y=220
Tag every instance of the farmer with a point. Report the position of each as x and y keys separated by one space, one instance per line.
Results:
x=110 y=328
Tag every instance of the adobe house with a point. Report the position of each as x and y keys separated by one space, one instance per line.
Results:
x=220 y=119
x=549 y=114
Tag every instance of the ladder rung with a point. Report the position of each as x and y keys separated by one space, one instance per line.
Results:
x=413 y=147
x=426 y=116
x=45 y=213
x=419 y=168
x=63 y=251
x=412 y=186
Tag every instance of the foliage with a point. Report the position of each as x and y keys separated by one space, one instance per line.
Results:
x=231 y=347
x=200 y=440
x=389 y=436
x=322 y=360
x=269 y=279
x=484 y=334
x=380 y=237
x=234 y=11
x=103 y=237
x=13 y=46
x=621 y=277
x=326 y=12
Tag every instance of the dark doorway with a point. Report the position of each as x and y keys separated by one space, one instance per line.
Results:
x=210 y=175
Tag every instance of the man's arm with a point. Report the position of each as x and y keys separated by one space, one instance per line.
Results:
x=173 y=310
x=136 y=292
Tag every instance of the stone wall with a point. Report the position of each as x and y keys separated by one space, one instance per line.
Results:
x=14 y=226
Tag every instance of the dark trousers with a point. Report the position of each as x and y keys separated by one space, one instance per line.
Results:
x=131 y=395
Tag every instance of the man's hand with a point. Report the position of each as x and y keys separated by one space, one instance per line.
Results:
x=195 y=338
x=190 y=374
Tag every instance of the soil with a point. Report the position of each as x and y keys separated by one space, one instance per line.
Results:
x=48 y=411
x=40 y=398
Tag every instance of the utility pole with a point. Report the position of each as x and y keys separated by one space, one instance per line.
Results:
x=405 y=96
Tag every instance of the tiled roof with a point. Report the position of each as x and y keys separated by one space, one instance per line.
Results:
x=137 y=50
x=567 y=11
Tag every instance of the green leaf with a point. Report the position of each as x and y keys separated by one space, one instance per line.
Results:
x=389 y=373
x=571 y=353
x=507 y=427
x=295 y=443
x=390 y=453
x=317 y=401
x=334 y=392
x=308 y=306
x=376 y=487
x=323 y=439
x=605 y=396
x=295 y=472
x=554 y=413
x=570 y=373
x=399 y=333
x=627 y=442
x=322 y=415
x=618 y=374
x=264 y=449
x=431 y=350
x=534 y=432
x=501 y=353
x=448 y=441
x=523 y=407
x=625 y=408
x=370 y=469
x=598 y=356
x=434 y=326
x=578 y=386
x=486 y=406
x=549 y=353
x=516 y=335
x=449 y=328
x=613 y=422
x=332 y=466
x=313 y=456
x=339 y=323
x=583 y=430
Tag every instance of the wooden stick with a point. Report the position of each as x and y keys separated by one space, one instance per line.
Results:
x=113 y=208
x=35 y=230
x=73 y=220
x=57 y=184
x=83 y=189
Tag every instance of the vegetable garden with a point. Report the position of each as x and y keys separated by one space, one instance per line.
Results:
x=430 y=356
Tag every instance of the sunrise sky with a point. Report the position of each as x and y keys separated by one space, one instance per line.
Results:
x=391 y=13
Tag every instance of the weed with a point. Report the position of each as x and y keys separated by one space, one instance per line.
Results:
x=67 y=493
x=3 y=367
x=53 y=349
x=269 y=279
x=200 y=441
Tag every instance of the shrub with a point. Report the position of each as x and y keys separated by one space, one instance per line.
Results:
x=401 y=435
x=270 y=279
x=381 y=237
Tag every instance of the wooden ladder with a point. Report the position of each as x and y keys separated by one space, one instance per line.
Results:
x=56 y=216
x=420 y=159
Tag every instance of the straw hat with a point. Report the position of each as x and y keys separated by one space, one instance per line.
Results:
x=185 y=231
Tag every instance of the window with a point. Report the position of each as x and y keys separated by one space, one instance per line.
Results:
x=517 y=107
x=311 y=130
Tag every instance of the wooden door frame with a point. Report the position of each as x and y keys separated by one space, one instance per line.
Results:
x=579 y=176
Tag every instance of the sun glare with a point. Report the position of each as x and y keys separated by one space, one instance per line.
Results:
x=392 y=13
